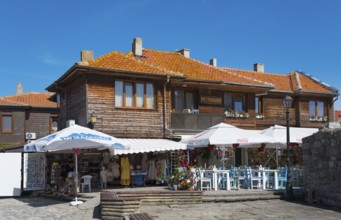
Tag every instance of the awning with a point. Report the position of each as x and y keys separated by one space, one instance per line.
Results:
x=149 y=145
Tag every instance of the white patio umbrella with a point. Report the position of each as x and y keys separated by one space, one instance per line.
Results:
x=279 y=134
x=224 y=135
x=73 y=138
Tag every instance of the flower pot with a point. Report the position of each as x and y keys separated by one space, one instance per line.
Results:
x=175 y=187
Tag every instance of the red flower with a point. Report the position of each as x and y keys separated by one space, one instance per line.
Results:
x=235 y=146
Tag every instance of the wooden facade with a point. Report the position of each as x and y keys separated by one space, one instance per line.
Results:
x=27 y=113
x=88 y=88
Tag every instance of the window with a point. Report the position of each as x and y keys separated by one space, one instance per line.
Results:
x=234 y=102
x=316 y=108
x=184 y=100
x=134 y=95
x=259 y=107
x=54 y=124
x=7 y=123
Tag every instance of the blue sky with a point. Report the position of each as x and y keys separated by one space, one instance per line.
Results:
x=40 y=40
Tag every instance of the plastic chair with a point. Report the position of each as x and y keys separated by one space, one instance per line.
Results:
x=256 y=179
x=86 y=182
x=243 y=178
x=282 y=177
x=202 y=179
x=103 y=179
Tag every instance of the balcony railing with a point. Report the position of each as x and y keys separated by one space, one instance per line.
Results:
x=192 y=121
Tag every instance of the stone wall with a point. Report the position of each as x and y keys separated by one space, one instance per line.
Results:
x=322 y=165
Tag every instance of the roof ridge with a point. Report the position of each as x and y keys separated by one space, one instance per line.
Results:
x=147 y=64
x=214 y=67
x=256 y=72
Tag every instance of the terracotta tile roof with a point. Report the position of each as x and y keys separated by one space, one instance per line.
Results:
x=279 y=81
x=190 y=68
x=118 y=61
x=175 y=64
x=290 y=82
x=33 y=99
x=309 y=84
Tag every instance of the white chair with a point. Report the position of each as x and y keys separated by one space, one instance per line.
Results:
x=103 y=179
x=86 y=182
x=205 y=182
x=256 y=179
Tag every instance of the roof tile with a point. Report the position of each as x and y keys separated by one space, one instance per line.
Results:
x=33 y=99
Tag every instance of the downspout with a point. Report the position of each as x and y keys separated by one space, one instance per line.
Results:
x=334 y=100
x=165 y=106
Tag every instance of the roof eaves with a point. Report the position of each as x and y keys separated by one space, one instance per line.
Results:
x=322 y=93
x=133 y=72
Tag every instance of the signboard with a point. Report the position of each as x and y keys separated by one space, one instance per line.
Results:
x=10 y=172
x=34 y=171
x=211 y=100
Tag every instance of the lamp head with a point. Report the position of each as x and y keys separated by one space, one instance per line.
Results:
x=93 y=118
x=287 y=102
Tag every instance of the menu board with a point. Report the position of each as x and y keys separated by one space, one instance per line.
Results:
x=34 y=171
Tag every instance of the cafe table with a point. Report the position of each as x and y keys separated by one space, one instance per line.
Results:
x=215 y=180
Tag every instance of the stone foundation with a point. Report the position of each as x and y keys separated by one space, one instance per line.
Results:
x=322 y=167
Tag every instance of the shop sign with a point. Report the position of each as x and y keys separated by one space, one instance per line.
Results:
x=211 y=100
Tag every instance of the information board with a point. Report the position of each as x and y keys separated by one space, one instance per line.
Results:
x=34 y=171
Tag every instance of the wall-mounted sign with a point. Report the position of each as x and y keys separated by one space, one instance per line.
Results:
x=211 y=100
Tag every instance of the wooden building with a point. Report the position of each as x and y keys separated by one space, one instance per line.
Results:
x=149 y=93
x=27 y=116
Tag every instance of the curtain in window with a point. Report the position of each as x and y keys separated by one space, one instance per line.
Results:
x=238 y=103
x=320 y=108
x=118 y=93
x=312 y=108
x=179 y=100
x=129 y=94
x=139 y=94
x=228 y=102
x=150 y=96
x=189 y=100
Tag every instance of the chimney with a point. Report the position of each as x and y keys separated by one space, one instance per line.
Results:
x=137 y=46
x=20 y=89
x=258 y=67
x=185 y=52
x=87 y=55
x=213 y=61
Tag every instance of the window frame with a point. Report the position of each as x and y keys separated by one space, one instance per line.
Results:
x=3 y=124
x=316 y=109
x=134 y=94
x=259 y=107
x=52 y=119
x=244 y=109
x=185 y=104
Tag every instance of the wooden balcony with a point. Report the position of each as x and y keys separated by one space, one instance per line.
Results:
x=191 y=122
x=194 y=121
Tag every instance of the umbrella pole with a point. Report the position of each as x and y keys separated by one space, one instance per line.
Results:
x=76 y=202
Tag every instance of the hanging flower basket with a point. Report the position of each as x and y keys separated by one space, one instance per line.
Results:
x=236 y=114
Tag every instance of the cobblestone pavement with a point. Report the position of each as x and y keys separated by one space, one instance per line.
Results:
x=261 y=209
x=38 y=208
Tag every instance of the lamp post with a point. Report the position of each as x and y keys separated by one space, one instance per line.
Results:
x=289 y=194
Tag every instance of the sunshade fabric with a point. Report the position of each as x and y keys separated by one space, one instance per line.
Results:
x=279 y=134
x=226 y=134
x=149 y=145
x=75 y=137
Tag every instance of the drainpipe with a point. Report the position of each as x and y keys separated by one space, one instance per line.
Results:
x=165 y=107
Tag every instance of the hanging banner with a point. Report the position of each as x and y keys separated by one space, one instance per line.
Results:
x=34 y=171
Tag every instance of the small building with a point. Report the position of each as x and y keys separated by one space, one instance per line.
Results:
x=27 y=116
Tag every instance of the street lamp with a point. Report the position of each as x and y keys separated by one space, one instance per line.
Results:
x=287 y=102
